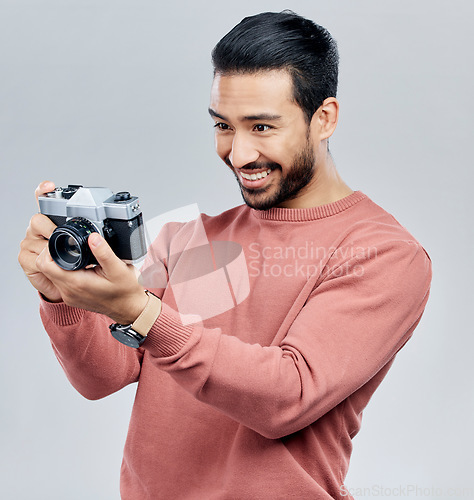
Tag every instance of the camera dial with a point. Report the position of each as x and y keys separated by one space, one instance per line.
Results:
x=122 y=196
x=70 y=191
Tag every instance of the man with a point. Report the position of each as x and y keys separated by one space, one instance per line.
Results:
x=263 y=399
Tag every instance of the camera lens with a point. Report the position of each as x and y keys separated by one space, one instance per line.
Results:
x=71 y=247
x=68 y=244
x=67 y=248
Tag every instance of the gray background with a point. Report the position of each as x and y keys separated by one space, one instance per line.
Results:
x=115 y=93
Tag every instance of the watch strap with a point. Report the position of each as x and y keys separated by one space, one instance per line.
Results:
x=148 y=316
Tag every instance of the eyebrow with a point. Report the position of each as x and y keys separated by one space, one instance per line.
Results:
x=258 y=117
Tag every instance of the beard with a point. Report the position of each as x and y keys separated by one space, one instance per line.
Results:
x=299 y=175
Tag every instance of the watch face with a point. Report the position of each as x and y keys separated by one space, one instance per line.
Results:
x=126 y=335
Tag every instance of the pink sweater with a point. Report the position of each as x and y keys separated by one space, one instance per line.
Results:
x=262 y=397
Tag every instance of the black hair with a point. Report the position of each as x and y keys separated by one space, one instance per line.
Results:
x=284 y=40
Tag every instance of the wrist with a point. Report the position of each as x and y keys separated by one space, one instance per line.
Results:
x=134 y=334
x=149 y=314
x=51 y=301
x=134 y=309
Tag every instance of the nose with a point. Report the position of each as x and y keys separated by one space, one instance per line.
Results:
x=243 y=152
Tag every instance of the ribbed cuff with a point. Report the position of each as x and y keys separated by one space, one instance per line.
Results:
x=168 y=335
x=60 y=313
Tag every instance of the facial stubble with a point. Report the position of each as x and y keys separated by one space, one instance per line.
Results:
x=290 y=186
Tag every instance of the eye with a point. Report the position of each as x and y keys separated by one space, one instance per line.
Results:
x=262 y=128
x=221 y=126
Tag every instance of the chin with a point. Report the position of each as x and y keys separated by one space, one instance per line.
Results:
x=259 y=203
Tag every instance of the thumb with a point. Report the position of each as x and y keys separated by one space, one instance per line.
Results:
x=104 y=255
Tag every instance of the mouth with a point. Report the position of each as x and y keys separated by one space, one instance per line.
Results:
x=254 y=180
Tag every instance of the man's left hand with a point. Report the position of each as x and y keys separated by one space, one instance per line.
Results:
x=110 y=288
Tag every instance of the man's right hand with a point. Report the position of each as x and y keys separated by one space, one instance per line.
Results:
x=36 y=242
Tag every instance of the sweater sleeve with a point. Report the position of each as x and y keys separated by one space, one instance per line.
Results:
x=358 y=315
x=94 y=362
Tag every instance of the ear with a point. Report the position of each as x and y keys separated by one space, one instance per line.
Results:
x=324 y=121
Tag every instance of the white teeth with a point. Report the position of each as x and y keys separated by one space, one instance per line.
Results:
x=254 y=177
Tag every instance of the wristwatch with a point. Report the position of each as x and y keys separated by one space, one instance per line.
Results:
x=134 y=335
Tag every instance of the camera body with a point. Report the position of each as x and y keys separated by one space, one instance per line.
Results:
x=79 y=211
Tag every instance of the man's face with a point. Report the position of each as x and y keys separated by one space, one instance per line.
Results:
x=262 y=135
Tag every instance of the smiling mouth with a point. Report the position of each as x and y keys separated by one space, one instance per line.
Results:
x=255 y=177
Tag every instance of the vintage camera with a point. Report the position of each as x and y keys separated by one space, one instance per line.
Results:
x=79 y=211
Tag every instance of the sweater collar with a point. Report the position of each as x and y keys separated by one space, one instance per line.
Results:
x=313 y=213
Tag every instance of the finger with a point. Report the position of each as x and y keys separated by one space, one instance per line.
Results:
x=57 y=275
x=111 y=265
x=33 y=245
x=44 y=261
x=27 y=260
x=43 y=188
x=37 y=264
x=40 y=226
